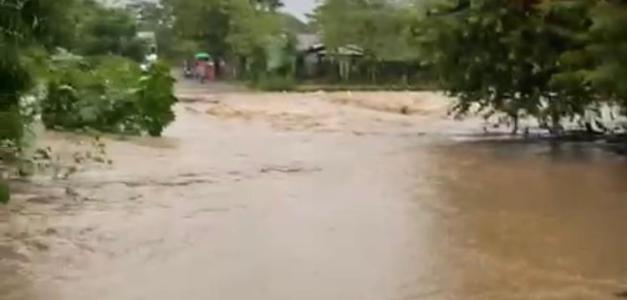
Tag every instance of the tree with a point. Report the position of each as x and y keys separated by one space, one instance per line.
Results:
x=572 y=97
x=101 y=30
x=293 y=24
x=381 y=29
x=205 y=22
x=504 y=57
x=150 y=15
x=378 y=27
x=251 y=28
x=22 y=22
x=155 y=99
x=607 y=40
x=239 y=30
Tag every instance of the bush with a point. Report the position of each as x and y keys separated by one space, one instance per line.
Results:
x=109 y=94
x=10 y=125
x=135 y=49
x=155 y=99
x=90 y=95
x=105 y=30
x=5 y=196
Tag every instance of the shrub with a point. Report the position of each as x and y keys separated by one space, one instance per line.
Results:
x=90 y=95
x=135 y=49
x=5 y=196
x=155 y=99
x=109 y=94
x=10 y=125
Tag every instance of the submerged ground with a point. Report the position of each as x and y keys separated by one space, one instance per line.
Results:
x=321 y=196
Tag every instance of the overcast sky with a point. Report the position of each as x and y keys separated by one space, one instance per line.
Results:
x=299 y=7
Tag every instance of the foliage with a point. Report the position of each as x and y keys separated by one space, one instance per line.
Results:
x=380 y=32
x=53 y=21
x=294 y=25
x=83 y=94
x=109 y=94
x=482 y=58
x=158 y=18
x=605 y=49
x=29 y=30
x=380 y=28
x=151 y=16
x=508 y=57
x=553 y=60
x=10 y=125
x=251 y=30
x=22 y=22
x=206 y=22
x=236 y=29
x=268 y=50
x=5 y=195
x=102 y=30
x=155 y=99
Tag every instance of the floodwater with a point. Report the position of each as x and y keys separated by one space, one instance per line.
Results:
x=321 y=197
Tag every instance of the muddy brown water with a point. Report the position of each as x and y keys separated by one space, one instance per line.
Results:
x=322 y=196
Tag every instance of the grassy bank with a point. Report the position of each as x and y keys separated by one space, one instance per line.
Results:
x=307 y=87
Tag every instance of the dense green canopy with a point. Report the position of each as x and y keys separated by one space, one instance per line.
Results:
x=554 y=60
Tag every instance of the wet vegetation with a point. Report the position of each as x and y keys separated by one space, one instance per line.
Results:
x=109 y=94
x=256 y=39
x=554 y=61
x=73 y=64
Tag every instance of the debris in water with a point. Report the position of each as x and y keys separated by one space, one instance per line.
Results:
x=42 y=199
x=404 y=110
x=71 y=192
x=51 y=231
x=287 y=169
x=7 y=252
x=40 y=246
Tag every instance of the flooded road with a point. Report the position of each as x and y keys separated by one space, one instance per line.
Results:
x=344 y=196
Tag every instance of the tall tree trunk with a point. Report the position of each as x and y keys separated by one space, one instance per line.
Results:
x=515 y=123
x=554 y=111
x=556 y=124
